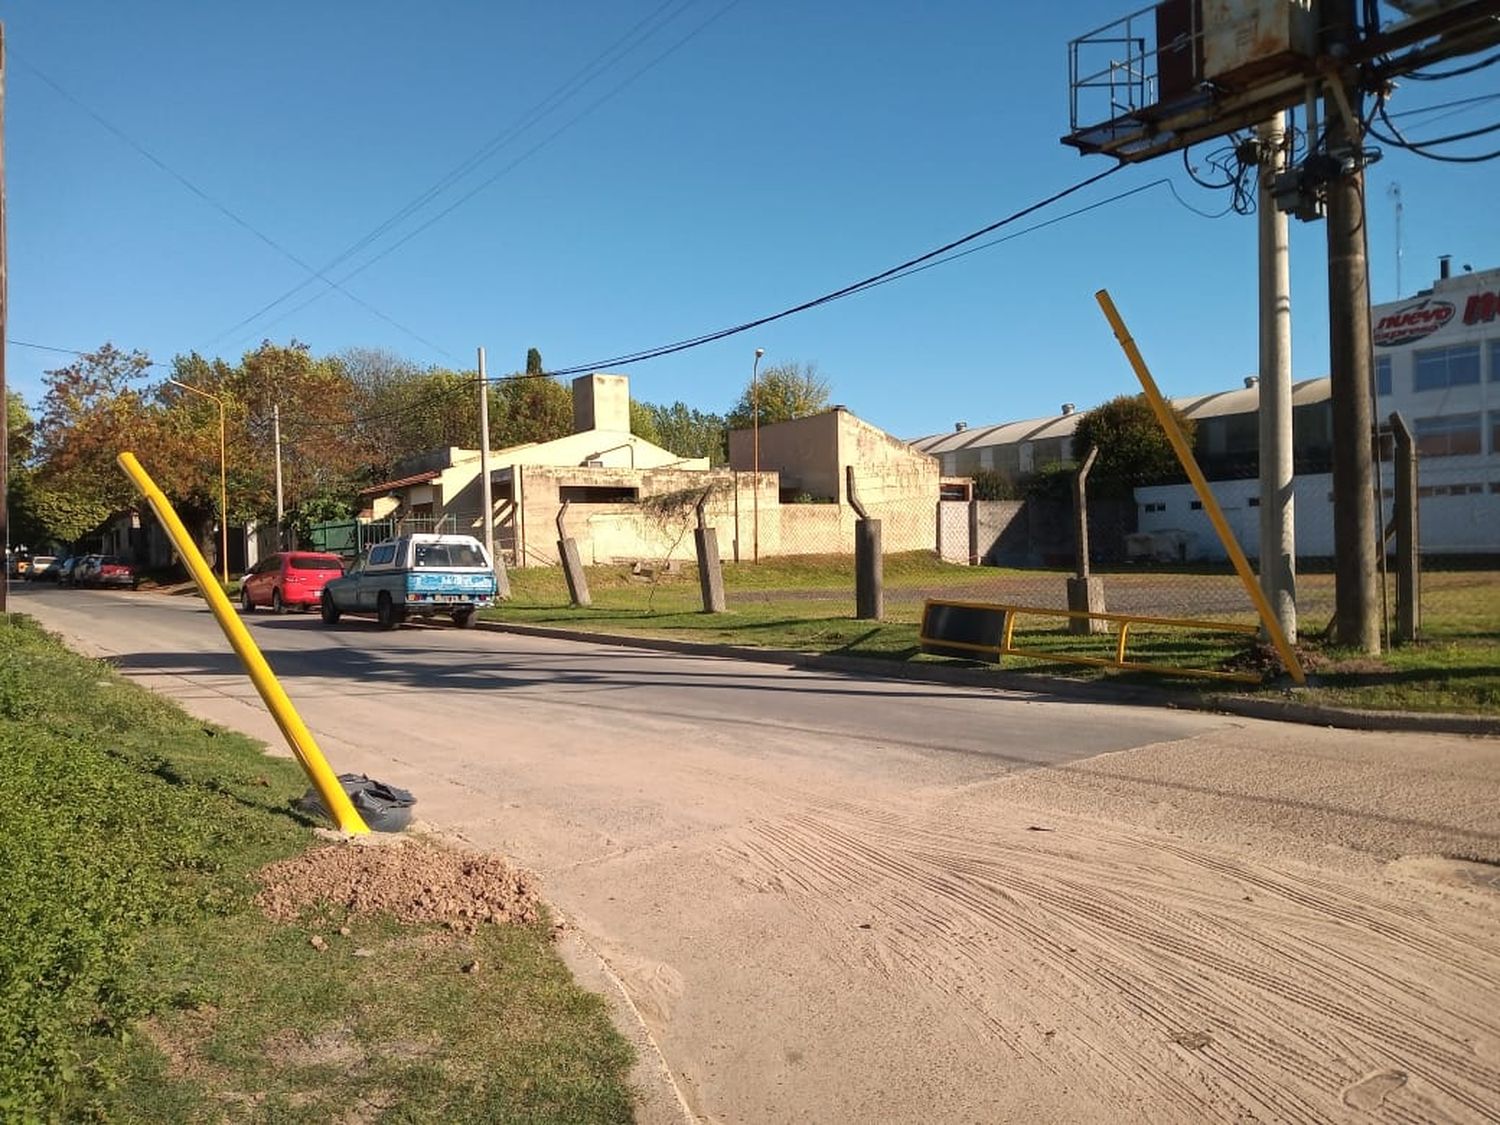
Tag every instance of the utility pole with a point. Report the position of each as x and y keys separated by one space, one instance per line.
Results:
x=4 y=396
x=280 y=506
x=1278 y=528
x=1357 y=616
x=486 y=488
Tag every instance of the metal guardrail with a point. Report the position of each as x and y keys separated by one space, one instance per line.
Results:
x=1005 y=646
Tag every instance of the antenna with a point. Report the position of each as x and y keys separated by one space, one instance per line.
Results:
x=1394 y=191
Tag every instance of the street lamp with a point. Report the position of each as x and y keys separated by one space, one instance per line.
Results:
x=755 y=426
x=223 y=487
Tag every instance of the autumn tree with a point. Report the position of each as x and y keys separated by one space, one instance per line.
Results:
x=781 y=393
x=90 y=412
x=1133 y=448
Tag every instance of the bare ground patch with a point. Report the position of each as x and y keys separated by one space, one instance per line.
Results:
x=417 y=881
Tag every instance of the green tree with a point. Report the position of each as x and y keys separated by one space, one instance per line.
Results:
x=20 y=432
x=1133 y=448
x=782 y=392
x=686 y=431
x=643 y=422
x=534 y=362
x=530 y=409
x=401 y=409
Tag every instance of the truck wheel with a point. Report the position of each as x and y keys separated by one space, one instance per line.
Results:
x=387 y=613
x=277 y=605
x=246 y=605
x=329 y=611
x=466 y=618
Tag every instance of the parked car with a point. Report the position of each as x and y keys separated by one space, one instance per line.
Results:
x=84 y=570
x=114 y=571
x=65 y=570
x=18 y=562
x=39 y=565
x=289 y=580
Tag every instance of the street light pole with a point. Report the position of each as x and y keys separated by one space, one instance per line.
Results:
x=223 y=481
x=755 y=426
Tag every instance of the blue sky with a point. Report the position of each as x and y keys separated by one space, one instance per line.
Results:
x=745 y=156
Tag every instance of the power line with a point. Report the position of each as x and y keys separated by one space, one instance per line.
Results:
x=837 y=294
x=516 y=162
x=537 y=112
x=62 y=351
x=223 y=209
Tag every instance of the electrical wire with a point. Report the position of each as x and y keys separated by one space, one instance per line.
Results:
x=837 y=294
x=222 y=208
x=1422 y=148
x=1457 y=72
x=543 y=143
x=578 y=81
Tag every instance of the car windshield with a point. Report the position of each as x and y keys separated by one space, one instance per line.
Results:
x=317 y=564
x=109 y=560
x=447 y=554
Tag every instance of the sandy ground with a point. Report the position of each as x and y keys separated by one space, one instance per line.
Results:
x=840 y=901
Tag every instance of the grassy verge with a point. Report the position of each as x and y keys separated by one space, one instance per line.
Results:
x=806 y=604
x=139 y=982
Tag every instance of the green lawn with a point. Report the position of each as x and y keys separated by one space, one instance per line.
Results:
x=807 y=604
x=139 y=982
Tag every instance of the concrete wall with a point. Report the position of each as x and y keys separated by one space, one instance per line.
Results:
x=953 y=531
x=804 y=451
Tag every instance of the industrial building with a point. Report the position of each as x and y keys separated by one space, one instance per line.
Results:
x=1437 y=363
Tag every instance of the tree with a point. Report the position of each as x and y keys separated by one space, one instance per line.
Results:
x=534 y=362
x=530 y=409
x=20 y=432
x=785 y=391
x=1133 y=449
x=685 y=431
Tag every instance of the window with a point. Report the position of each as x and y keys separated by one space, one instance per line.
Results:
x=1495 y=432
x=1382 y=375
x=303 y=562
x=597 y=494
x=382 y=554
x=1438 y=368
x=1449 y=435
x=1495 y=361
x=446 y=554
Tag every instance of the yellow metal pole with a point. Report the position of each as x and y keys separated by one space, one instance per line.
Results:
x=298 y=737
x=223 y=500
x=1200 y=486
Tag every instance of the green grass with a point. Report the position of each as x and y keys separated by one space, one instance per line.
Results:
x=806 y=604
x=139 y=983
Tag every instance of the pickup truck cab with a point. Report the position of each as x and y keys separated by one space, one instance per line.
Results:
x=414 y=576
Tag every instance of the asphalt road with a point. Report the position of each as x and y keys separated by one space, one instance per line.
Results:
x=841 y=899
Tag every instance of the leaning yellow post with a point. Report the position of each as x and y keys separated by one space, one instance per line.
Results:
x=1200 y=486
x=298 y=737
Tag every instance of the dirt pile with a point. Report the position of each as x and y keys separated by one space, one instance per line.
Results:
x=415 y=882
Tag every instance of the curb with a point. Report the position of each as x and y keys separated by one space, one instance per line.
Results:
x=1036 y=685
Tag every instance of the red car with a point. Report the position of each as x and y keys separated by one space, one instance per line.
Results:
x=291 y=579
x=112 y=571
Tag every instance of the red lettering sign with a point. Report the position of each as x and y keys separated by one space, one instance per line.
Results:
x=1412 y=322
x=1482 y=307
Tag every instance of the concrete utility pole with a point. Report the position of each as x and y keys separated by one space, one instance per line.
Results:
x=1357 y=616
x=486 y=494
x=280 y=505
x=1278 y=530
x=4 y=398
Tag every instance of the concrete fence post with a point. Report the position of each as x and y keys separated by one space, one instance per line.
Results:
x=710 y=572
x=869 y=578
x=572 y=564
x=1085 y=592
x=1408 y=534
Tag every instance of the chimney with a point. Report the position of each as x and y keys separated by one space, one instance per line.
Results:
x=601 y=402
x=1251 y=381
x=960 y=427
x=1068 y=408
x=1445 y=266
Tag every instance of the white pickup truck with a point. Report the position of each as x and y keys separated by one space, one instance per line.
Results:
x=415 y=576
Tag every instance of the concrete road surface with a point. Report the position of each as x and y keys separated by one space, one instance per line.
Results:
x=836 y=899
